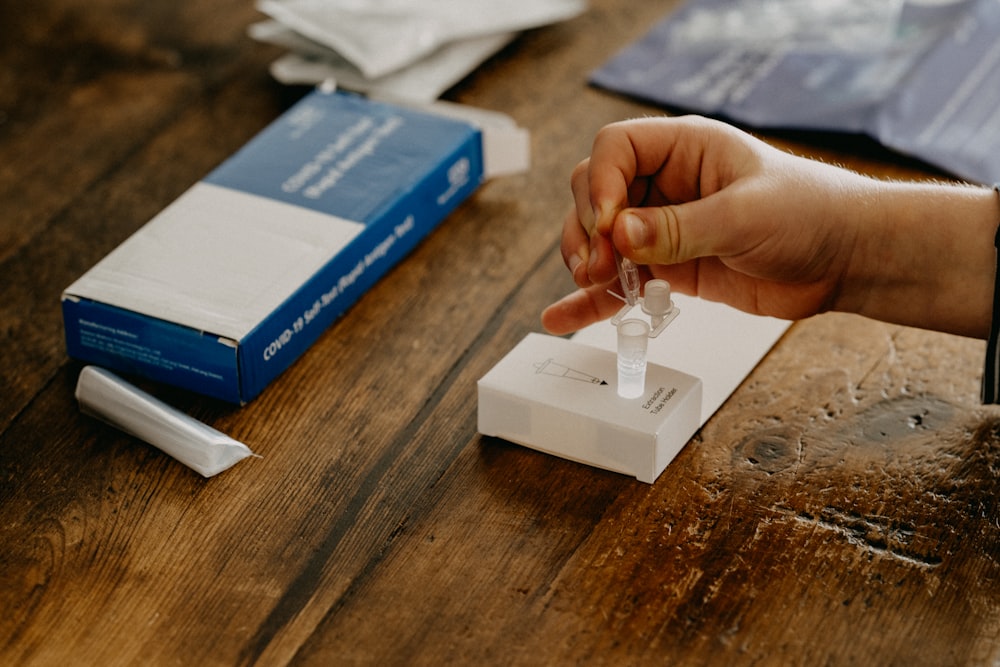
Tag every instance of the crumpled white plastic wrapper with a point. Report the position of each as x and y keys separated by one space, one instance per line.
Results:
x=383 y=36
x=104 y=395
x=311 y=63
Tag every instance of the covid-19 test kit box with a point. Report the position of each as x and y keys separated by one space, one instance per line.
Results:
x=227 y=286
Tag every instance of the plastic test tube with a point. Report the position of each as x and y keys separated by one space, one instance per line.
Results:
x=633 y=337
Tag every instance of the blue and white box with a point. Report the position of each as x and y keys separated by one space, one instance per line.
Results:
x=227 y=286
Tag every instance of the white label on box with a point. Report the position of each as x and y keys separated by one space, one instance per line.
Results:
x=218 y=259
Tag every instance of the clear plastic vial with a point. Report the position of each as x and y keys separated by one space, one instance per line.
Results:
x=633 y=337
x=657 y=303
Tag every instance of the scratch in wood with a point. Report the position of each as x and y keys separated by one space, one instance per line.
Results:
x=729 y=517
x=889 y=357
x=868 y=533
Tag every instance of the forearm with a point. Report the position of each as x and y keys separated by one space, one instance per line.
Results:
x=931 y=262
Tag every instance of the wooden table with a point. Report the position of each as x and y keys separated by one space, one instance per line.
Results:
x=840 y=508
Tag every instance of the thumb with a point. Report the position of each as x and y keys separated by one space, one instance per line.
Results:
x=671 y=234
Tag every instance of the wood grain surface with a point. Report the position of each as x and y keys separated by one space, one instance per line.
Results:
x=841 y=508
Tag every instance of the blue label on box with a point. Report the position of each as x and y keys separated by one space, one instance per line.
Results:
x=392 y=230
x=162 y=351
x=341 y=154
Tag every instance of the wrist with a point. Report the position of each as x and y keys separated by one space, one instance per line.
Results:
x=927 y=258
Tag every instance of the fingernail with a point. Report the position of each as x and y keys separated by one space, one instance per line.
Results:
x=574 y=261
x=601 y=211
x=597 y=211
x=592 y=261
x=635 y=230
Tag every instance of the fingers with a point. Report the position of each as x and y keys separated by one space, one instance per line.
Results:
x=580 y=186
x=653 y=161
x=575 y=247
x=663 y=191
x=667 y=169
x=610 y=173
x=625 y=160
x=675 y=234
x=578 y=309
x=590 y=260
x=586 y=249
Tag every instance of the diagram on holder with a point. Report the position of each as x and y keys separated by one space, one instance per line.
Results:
x=551 y=367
